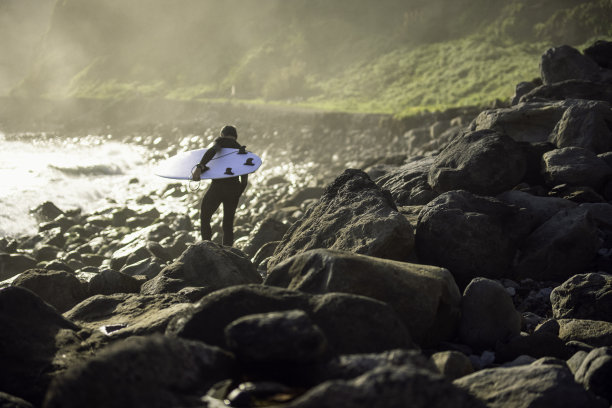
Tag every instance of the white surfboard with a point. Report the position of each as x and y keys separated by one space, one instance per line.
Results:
x=226 y=163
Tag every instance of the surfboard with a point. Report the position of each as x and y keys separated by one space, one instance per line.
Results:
x=226 y=163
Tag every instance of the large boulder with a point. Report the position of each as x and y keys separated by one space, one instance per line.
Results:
x=564 y=62
x=46 y=211
x=587 y=124
x=124 y=315
x=540 y=209
x=570 y=89
x=154 y=371
x=408 y=183
x=483 y=162
x=595 y=333
x=28 y=338
x=562 y=246
x=488 y=315
x=575 y=166
x=204 y=264
x=14 y=264
x=595 y=372
x=351 y=323
x=109 y=282
x=60 y=289
x=535 y=385
x=470 y=235
x=584 y=296
x=353 y=215
x=426 y=298
x=600 y=52
x=268 y=230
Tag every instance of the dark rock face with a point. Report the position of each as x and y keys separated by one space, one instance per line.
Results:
x=483 y=162
x=285 y=337
x=108 y=282
x=28 y=338
x=352 y=324
x=14 y=264
x=587 y=124
x=575 y=166
x=266 y=231
x=595 y=372
x=535 y=385
x=408 y=183
x=47 y=211
x=601 y=53
x=563 y=63
x=353 y=215
x=153 y=371
x=562 y=246
x=540 y=209
x=60 y=289
x=425 y=298
x=485 y=234
x=204 y=264
x=488 y=315
x=584 y=296
x=570 y=89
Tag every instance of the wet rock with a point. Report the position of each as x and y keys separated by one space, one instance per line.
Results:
x=147 y=267
x=129 y=314
x=592 y=332
x=120 y=216
x=58 y=266
x=46 y=211
x=563 y=63
x=575 y=166
x=452 y=364
x=584 y=296
x=483 y=162
x=287 y=337
x=60 y=289
x=154 y=371
x=9 y=401
x=109 y=282
x=14 y=264
x=541 y=209
x=595 y=372
x=408 y=183
x=132 y=252
x=425 y=298
x=600 y=52
x=352 y=324
x=570 y=89
x=562 y=246
x=386 y=387
x=267 y=230
x=205 y=264
x=28 y=338
x=487 y=315
x=533 y=385
x=353 y=215
x=485 y=234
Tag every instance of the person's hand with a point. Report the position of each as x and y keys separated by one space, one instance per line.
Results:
x=195 y=175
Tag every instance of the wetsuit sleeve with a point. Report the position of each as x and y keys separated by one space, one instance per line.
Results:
x=210 y=153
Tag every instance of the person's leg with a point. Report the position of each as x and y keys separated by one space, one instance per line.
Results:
x=210 y=203
x=230 y=203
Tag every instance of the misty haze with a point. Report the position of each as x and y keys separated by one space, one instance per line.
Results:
x=305 y=203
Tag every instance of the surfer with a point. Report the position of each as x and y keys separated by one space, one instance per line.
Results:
x=225 y=190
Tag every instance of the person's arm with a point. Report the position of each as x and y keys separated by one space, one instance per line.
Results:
x=201 y=166
x=244 y=180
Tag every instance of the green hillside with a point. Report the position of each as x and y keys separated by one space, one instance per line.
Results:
x=388 y=56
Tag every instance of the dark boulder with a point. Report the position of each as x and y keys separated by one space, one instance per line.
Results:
x=584 y=296
x=109 y=282
x=204 y=264
x=586 y=124
x=60 y=289
x=14 y=264
x=129 y=253
x=425 y=298
x=9 y=401
x=452 y=364
x=267 y=230
x=563 y=63
x=46 y=211
x=570 y=89
x=601 y=53
x=595 y=372
x=408 y=183
x=483 y=162
x=540 y=209
x=575 y=166
x=353 y=215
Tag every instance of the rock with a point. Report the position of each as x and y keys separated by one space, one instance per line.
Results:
x=388 y=387
x=28 y=338
x=205 y=264
x=14 y=264
x=123 y=315
x=526 y=122
x=576 y=166
x=587 y=124
x=351 y=323
x=600 y=52
x=154 y=371
x=60 y=289
x=533 y=153
x=134 y=251
x=158 y=232
x=595 y=372
x=541 y=209
x=533 y=386
x=576 y=194
x=563 y=63
x=109 y=282
x=522 y=89
x=147 y=267
x=562 y=246
x=266 y=251
x=484 y=233
x=9 y=401
x=487 y=315
x=46 y=211
x=353 y=215
x=537 y=345
x=575 y=361
x=483 y=162
x=452 y=364
x=408 y=183
x=177 y=244
x=592 y=332
x=425 y=298
x=570 y=89
x=277 y=337
x=267 y=230
x=584 y=296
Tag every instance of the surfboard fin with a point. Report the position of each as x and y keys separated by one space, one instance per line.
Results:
x=249 y=162
x=242 y=150
x=229 y=171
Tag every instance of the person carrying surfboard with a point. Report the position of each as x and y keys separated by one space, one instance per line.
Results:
x=226 y=191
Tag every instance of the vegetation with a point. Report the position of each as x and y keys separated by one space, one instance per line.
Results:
x=389 y=56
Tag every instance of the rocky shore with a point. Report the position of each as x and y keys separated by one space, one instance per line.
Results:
x=466 y=262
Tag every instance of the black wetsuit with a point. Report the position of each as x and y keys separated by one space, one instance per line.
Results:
x=226 y=191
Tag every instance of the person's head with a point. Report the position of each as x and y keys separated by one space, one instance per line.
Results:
x=229 y=131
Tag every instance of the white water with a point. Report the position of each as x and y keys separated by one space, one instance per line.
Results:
x=77 y=172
